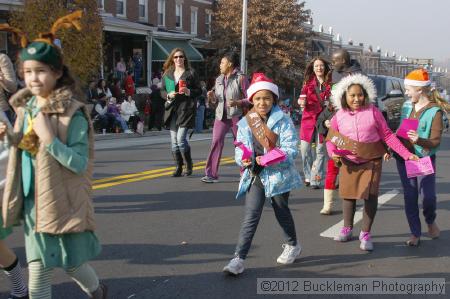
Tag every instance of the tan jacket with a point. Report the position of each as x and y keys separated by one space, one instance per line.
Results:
x=9 y=83
x=62 y=198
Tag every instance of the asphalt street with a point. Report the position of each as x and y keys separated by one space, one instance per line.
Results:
x=166 y=237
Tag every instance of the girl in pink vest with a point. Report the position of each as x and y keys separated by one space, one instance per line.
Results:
x=356 y=140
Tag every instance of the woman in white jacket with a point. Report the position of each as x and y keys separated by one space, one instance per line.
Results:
x=129 y=112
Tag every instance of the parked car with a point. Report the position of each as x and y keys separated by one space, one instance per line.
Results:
x=390 y=98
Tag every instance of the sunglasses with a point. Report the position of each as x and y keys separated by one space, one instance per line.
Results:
x=175 y=57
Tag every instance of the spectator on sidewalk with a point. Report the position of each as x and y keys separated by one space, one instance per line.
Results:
x=91 y=93
x=121 y=70
x=116 y=91
x=129 y=84
x=129 y=112
x=100 y=117
x=114 y=110
x=157 y=107
x=103 y=88
x=137 y=59
x=201 y=105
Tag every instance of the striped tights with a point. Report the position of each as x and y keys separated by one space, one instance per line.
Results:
x=14 y=273
x=40 y=279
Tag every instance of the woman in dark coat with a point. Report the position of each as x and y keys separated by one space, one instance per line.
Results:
x=180 y=87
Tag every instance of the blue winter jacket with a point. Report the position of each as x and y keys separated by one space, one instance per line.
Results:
x=278 y=178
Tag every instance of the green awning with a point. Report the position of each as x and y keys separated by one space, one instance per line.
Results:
x=161 y=48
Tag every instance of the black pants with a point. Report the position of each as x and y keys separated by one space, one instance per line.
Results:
x=156 y=115
x=133 y=121
x=254 y=204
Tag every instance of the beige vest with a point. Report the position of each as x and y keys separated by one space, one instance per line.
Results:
x=63 y=198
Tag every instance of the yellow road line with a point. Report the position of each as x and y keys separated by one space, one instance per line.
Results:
x=146 y=175
x=131 y=175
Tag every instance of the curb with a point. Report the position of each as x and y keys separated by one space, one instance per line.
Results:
x=110 y=136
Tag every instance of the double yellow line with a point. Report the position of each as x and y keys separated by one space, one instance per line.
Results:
x=147 y=175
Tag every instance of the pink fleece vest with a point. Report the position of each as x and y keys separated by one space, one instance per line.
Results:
x=359 y=125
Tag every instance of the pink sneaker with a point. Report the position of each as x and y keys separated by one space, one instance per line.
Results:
x=344 y=235
x=366 y=241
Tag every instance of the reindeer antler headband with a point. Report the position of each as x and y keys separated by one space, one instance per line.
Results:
x=17 y=34
x=66 y=22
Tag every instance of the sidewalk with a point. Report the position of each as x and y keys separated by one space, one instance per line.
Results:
x=163 y=132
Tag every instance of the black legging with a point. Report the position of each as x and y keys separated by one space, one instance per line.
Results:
x=369 y=211
x=133 y=121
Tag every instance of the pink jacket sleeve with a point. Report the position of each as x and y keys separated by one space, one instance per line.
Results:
x=390 y=138
x=330 y=146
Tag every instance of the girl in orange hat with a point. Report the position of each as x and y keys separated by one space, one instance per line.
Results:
x=428 y=108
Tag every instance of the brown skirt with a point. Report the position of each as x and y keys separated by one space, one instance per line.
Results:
x=359 y=181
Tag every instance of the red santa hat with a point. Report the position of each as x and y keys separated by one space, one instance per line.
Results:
x=261 y=82
x=418 y=78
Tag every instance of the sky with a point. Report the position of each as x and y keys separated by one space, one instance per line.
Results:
x=413 y=28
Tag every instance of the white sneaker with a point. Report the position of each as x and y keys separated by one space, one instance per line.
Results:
x=128 y=132
x=289 y=254
x=235 y=266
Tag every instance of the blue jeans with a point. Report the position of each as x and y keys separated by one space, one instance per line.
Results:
x=178 y=137
x=254 y=204
x=123 y=123
x=313 y=160
x=199 y=117
x=426 y=185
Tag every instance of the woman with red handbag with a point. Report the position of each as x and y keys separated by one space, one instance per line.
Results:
x=315 y=91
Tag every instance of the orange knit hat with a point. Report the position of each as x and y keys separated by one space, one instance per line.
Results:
x=418 y=78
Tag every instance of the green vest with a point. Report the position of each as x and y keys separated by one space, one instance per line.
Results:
x=424 y=129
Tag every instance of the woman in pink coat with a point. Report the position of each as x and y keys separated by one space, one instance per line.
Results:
x=316 y=89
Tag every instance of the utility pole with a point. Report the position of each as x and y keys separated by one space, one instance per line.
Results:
x=244 y=35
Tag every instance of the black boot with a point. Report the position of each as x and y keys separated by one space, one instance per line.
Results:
x=188 y=161
x=178 y=163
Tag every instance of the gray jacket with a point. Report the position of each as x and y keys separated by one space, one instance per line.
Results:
x=236 y=90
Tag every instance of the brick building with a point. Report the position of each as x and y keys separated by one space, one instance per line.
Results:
x=152 y=28
x=147 y=29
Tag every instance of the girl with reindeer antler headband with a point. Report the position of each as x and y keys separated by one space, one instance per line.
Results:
x=49 y=175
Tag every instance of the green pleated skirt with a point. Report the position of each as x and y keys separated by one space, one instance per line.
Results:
x=63 y=251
